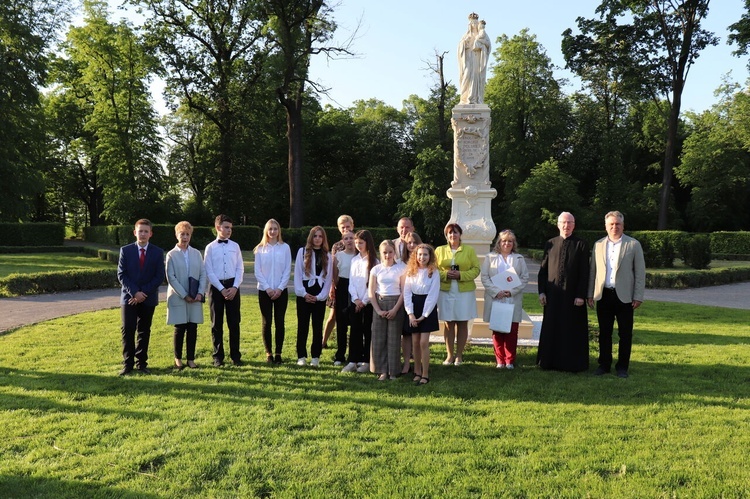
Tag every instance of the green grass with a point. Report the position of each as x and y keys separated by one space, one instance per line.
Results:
x=47 y=262
x=678 y=427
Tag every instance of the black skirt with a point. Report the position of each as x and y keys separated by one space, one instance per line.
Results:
x=429 y=324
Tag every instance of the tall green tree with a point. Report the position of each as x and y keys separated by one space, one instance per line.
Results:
x=106 y=77
x=214 y=52
x=28 y=28
x=299 y=30
x=530 y=114
x=650 y=45
x=716 y=164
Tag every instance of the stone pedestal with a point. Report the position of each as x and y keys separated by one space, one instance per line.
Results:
x=471 y=190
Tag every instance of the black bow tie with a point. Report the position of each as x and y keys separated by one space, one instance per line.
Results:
x=223 y=241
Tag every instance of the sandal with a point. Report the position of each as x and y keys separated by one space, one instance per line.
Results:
x=424 y=381
x=417 y=378
x=383 y=377
x=178 y=364
x=191 y=364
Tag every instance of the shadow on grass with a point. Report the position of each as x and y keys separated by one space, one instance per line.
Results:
x=475 y=381
x=12 y=486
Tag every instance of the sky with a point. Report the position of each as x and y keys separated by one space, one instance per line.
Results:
x=395 y=40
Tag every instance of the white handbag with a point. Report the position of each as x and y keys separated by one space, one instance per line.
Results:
x=501 y=316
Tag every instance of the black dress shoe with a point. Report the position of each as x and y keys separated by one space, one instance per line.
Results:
x=277 y=359
x=622 y=373
x=144 y=370
x=237 y=362
x=601 y=371
x=125 y=371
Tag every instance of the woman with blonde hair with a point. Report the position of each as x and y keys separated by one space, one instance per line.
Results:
x=313 y=274
x=386 y=295
x=273 y=267
x=421 y=291
x=502 y=258
x=186 y=279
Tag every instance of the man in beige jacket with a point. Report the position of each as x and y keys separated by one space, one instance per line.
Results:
x=617 y=283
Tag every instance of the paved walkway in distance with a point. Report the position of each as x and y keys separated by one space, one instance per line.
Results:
x=26 y=310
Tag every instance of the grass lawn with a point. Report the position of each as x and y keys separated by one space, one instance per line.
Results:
x=19 y=263
x=678 y=427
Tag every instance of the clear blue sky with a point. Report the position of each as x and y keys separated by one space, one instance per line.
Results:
x=395 y=39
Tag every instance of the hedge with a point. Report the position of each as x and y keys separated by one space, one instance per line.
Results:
x=56 y=282
x=733 y=243
x=32 y=234
x=40 y=249
x=697 y=278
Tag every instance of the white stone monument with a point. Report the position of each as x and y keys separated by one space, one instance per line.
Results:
x=471 y=190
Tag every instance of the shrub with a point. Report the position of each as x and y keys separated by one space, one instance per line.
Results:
x=659 y=246
x=697 y=278
x=55 y=282
x=696 y=251
x=733 y=243
x=40 y=249
x=32 y=234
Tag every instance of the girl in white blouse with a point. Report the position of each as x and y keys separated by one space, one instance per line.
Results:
x=342 y=262
x=360 y=310
x=421 y=291
x=273 y=266
x=313 y=274
x=386 y=296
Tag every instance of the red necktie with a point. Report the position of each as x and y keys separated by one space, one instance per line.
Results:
x=142 y=260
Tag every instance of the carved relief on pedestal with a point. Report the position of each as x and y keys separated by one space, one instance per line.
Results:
x=471 y=149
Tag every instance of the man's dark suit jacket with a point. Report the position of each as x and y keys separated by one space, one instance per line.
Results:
x=134 y=279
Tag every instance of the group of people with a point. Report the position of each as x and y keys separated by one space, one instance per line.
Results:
x=613 y=280
x=384 y=300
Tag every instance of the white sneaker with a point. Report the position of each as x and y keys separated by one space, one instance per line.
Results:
x=364 y=368
x=500 y=366
x=509 y=366
x=349 y=368
x=315 y=362
x=301 y=361
x=338 y=363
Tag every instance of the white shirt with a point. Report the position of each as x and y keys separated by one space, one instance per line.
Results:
x=301 y=277
x=388 y=278
x=273 y=266
x=344 y=263
x=224 y=261
x=613 y=257
x=422 y=284
x=358 y=279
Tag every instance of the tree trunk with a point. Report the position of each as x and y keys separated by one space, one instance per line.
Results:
x=295 y=162
x=670 y=156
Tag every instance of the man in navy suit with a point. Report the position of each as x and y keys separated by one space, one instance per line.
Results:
x=140 y=270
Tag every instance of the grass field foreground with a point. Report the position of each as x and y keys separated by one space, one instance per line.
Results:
x=676 y=428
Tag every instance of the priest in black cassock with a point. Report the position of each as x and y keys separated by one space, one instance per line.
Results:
x=563 y=281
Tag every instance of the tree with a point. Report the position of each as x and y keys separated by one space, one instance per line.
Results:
x=104 y=84
x=650 y=45
x=27 y=29
x=299 y=29
x=530 y=115
x=716 y=164
x=541 y=197
x=215 y=53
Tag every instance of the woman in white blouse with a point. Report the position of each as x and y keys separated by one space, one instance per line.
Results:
x=502 y=258
x=360 y=310
x=421 y=291
x=273 y=266
x=313 y=274
x=386 y=295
